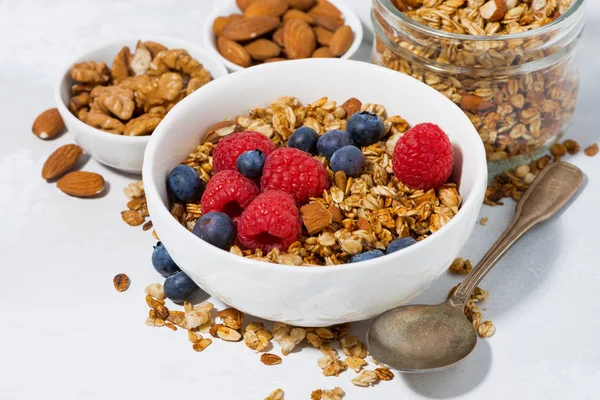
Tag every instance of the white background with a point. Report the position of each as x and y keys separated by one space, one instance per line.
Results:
x=65 y=333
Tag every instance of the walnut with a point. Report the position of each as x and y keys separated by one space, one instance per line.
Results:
x=121 y=66
x=79 y=102
x=140 y=63
x=142 y=125
x=165 y=90
x=154 y=48
x=119 y=101
x=90 y=72
x=181 y=61
x=102 y=121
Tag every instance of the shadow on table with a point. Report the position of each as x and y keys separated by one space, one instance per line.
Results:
x=454 y=382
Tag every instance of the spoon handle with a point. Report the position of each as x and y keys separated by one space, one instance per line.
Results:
x=550 y=191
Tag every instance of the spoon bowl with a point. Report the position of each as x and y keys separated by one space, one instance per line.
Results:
x=421 y=338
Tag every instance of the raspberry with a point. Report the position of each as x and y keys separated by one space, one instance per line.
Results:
x=271 y=221
x=230 y=147
x=295 y=172
x=423 y=157
x=228 y=192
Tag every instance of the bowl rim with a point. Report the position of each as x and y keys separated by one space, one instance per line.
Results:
x=346 y=11
x=95 y=132
x=469 y=206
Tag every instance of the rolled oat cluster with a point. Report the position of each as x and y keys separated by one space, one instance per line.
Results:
x=517 y=86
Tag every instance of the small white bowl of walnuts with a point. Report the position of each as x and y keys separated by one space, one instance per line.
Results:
x=244 y=33
x=114 y=96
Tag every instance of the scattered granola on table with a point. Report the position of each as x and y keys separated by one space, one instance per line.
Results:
x=137 y=211
x=592 y=150
x=353 y=211
x=121 y=282
x=132 y=96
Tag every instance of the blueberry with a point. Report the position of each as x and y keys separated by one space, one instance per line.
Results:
x=162 y=261
x=367 y=255
x=184 y=184
x=250 y=163
x=180 y=287
x=399 y=244
x=332 y=141
x=365 y=128
x=305 y=139
x=349 y=159
x=215 y=228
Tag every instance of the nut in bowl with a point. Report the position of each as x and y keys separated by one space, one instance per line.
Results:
x=302 y=295
x=112 y=97
x=246 y=33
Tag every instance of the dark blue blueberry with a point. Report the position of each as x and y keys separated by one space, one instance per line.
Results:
x=305 y=139
x=184 y=184
x=332 y=141
x=162 y=261
x=215 y=228
x=180 y=287
x=250 y=163
x=349 y=159
x=399 y=244
x=367 y=255
x=365 y=128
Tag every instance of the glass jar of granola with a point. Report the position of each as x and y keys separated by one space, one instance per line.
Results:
x=509 y=64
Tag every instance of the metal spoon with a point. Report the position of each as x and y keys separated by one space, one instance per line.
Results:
x=423 y=338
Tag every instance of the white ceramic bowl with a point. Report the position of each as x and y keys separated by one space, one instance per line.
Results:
x=125 y=153
x=313 y=296
x=228 y=7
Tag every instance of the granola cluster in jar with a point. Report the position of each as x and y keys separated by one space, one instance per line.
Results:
x=354 y=215
x=509 y=64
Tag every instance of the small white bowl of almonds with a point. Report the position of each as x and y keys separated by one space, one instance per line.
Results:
x=245 y=33
x=114 y=96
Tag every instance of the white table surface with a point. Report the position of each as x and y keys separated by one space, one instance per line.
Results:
x=67 y=334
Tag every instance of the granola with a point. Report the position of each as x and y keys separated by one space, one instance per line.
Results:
x=516 y=112
x=354 y=214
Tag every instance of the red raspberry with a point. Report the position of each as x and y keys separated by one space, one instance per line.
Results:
x=271 y=221
x=230 y=147
x=295 y=172
x=229 y=192
x=423 y=157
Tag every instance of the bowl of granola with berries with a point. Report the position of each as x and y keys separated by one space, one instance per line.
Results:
x=312 y=192
x=113 y=97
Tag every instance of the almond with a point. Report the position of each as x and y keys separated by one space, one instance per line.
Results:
x=352 y=106
x=218 y=25
x=235 y=17
x=327 y=15
x=262 y=49
x=273 y=8
x=493 y=10
x=250 y=28
x=302 y=5
x=61 y=161
x=297 y=14
x=341 y=40
x=326 y=8
x=243 y=4
x=48 y=124
x=278 y=37
x=276 y=59
x=315 y=217
x=299 y=39
x=336 y=213
x=234 y=52
x=322 y=52
x=472 y=102
x=323 y=35
x=220 y=130
x=81 y=184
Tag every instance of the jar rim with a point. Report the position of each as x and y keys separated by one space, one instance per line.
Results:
x=461 y=36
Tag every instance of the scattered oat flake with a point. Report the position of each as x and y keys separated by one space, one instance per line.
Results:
x=366 y=378
x=277 y=394
x=270 y=359
x=321 y=394
x=121 y=282
x=483 y=221
x=201 y=345
x=460 y=266
x=592 y=150
x=132 y=218
x=486 y=329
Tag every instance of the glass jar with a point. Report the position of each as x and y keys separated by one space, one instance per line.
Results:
x=519 y=90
